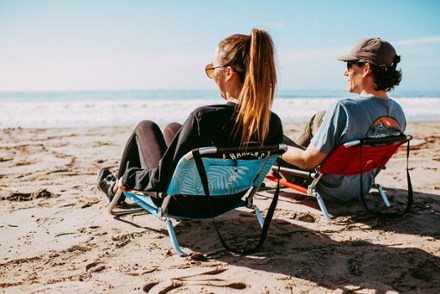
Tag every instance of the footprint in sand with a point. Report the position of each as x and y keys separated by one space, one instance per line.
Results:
x=20 y=197
x=48 y=221
x=190 y=282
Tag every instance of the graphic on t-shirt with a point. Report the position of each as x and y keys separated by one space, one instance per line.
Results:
x=383 y=127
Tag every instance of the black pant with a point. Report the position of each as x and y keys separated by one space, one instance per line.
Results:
x=146 y=145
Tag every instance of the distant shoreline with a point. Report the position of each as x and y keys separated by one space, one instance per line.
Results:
x=201 y=93
x=88 y=109
x=129 y=127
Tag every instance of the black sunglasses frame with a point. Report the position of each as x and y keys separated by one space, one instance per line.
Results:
x=356 y=62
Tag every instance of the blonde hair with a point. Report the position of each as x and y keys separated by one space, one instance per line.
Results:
x=253 y=59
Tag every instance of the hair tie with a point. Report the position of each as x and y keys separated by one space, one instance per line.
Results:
x=396 y=60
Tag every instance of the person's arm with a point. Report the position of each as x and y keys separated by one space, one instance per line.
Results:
x=305 y=159
x=328 y=136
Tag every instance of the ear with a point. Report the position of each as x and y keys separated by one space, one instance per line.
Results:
x=229 y=73
x=366 y=70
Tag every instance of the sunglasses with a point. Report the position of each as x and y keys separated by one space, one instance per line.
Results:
x=356 y=62
x=209 y=69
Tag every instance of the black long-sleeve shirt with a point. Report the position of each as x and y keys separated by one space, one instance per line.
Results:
x=206 y=126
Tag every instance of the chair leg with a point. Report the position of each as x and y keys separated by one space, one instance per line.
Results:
x=259 y=216
x=121 y=211
x=382 y=193
x=173 y=238
x=322 y=205
x=311 y=190
x=144 y=207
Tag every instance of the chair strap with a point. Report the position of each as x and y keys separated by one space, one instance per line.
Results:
x=203 y=177
x=410 y=191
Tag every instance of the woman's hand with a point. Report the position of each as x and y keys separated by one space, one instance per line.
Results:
x=122 y=187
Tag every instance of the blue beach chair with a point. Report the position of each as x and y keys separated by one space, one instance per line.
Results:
x=208 y=182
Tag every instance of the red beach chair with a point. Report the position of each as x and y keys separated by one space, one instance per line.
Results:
x=353 y=158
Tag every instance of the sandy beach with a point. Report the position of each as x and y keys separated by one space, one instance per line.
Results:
x=56 y=234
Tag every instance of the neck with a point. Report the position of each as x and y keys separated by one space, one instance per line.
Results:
x=234 y=100
x=378 y=94
x=367 y=88
x=233 y=94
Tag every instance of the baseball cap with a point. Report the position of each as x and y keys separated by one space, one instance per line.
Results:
x=377 y=51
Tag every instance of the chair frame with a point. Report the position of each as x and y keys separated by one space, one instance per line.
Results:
x=144 y=198
x=347 y=159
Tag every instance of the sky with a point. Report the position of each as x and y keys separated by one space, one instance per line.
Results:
x=79 y=45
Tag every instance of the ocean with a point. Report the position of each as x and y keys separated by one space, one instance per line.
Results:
x=108 y=108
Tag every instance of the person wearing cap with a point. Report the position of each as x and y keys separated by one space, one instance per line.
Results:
x=371 y=73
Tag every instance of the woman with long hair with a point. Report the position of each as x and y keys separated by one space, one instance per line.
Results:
x=244 y=71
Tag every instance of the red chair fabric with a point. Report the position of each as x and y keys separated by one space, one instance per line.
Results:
x=346 y=160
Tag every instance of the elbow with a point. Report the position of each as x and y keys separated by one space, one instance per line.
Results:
x=307 y=159
x=308 y=165
x=301 y=163
x=313 y=162
x=312 y=158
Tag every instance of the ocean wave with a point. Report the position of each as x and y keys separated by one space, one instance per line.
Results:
x=101 y=112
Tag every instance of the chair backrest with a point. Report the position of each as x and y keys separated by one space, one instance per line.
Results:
x=362 y=155
x=228 y=170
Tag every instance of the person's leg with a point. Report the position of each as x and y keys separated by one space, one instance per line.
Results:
x=304 y=138
x=170 y=131
x=130 y=156
x=290 y=142
x=144 y=148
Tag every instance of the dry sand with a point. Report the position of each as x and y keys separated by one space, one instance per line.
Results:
x=56 y=234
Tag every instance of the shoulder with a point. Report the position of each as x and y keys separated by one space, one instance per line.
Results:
x=349 y=102
x=275 y=124
x=274 y=118
x=396 y=104
x=341 y=103
x=354 y=105
x=212 y=109
x=341 y=107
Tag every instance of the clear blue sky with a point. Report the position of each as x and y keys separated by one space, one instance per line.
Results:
x=123 y=45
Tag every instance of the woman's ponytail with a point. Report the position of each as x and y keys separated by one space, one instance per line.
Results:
x=258 y=90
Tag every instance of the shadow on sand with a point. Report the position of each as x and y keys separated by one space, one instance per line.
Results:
x=316 y=254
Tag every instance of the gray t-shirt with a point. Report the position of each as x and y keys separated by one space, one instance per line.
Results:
x=346 y=120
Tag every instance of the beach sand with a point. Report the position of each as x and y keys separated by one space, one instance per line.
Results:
x=57 y=236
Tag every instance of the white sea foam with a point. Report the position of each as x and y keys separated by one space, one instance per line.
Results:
x=427 y=108
x=57 y=111
x=93 y=113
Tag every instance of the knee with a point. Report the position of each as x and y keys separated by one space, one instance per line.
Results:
x=173 y=128
x=147 y=126
x=170 y=131
x=145 y=123
x=316 y=121
x=319 y=116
